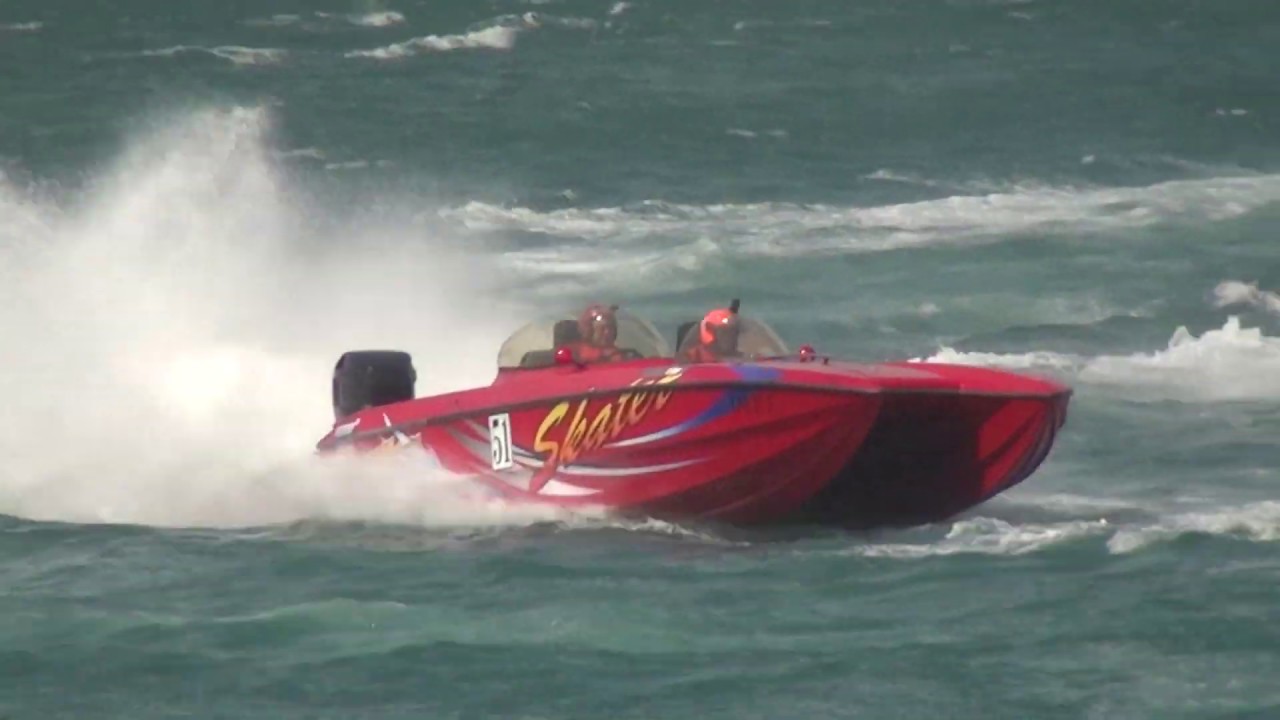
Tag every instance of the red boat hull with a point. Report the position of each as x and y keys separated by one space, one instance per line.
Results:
x=782 y=441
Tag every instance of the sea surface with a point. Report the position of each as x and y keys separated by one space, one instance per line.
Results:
x=202 y=204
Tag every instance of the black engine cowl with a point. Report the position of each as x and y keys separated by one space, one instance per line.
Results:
x=369 y=378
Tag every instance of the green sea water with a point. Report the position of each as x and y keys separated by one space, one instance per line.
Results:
x=203 y=204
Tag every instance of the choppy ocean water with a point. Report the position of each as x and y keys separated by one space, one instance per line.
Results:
x=202 y=206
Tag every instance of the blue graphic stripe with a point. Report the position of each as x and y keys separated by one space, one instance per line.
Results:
x=731 y=400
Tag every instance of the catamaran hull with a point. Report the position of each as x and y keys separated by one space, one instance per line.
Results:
x=758 y=446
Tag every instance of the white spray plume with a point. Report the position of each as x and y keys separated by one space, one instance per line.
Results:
x=169 y=333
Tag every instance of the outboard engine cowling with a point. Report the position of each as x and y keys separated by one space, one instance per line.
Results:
x=368 y=378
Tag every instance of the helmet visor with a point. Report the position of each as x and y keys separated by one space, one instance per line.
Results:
x=602 y=328
x=726 y=335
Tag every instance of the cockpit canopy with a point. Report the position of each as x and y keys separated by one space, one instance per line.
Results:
x=755 y=338
x=534 y=345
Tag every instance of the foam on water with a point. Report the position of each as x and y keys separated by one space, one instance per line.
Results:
x=989 y=536
x=373 y=19
x=500 y=33
x=384 y=18
x=1126 y=528
x=278 y=20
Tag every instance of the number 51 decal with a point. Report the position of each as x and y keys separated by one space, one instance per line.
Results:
x=500 y=441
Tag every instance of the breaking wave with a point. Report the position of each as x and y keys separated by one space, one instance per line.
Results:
x=1228 y=363
x=784 y=228
x=1229 y=293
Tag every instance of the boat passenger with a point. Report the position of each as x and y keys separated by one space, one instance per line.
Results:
x=597 y=335
x=717 y=338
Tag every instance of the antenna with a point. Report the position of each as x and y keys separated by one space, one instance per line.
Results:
x=733 y=306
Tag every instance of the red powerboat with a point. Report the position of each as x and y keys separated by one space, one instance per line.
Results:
x=775 y=437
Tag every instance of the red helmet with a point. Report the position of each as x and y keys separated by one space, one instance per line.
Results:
x=719 y=323
x=598 y=316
